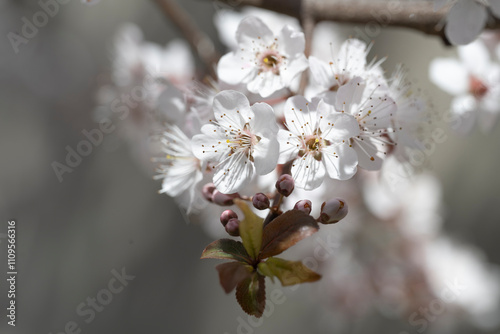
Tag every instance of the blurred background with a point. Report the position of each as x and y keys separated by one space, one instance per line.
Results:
x=107 y=215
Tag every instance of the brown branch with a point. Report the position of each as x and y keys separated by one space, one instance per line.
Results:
x=199 y=41
x=419 y=15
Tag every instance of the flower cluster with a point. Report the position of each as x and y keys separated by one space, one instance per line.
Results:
x=260 y=121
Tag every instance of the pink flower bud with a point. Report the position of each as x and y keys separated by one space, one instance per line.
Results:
x=333 y=211
x=285 y=185
x=223 y=199
x=303 y=205
x=226 y=216
x=233 y=227
x=260 y=201
x=208 y=191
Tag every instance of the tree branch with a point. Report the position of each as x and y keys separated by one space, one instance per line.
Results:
x=199 y=41
x=418 y=15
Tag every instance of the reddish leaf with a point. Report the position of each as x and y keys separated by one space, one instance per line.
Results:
x=233 y=273
x=226 y=249
x=288 y=272
x=251 y=295
x=250 y=229
x=285 y=231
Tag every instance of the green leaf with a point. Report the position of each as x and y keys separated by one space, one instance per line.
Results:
x=290 y=272
x=226 y=249
x=263 y=269
x=233 y=273
x=251 y=294
x=250 y=230
x=285 y=231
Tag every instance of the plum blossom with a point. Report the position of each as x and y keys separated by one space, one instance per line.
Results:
x=179 y=168
x=374 y=112
x=226 y=21
x=349 y=62
x=474 y=80
x=264 y=62
x=412 y=119
x=317 y=140
x=240 y=141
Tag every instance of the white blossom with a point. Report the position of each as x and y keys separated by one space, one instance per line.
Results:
x=349 y=62
x=317 y=140
x=179 y=168
x=264 y=62
x=240 y=141
x=474 y=80
x=374 y=112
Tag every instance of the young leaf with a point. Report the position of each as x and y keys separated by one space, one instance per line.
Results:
x=251 y=294
x=250 y=229
x=263 y=269
x=226 y=249
x=285 y=231
x=233 y=273
x=290 y=272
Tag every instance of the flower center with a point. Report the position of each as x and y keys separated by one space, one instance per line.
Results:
x=477 y=87
x=242 y=142
x=270 y=60
x=312 y=145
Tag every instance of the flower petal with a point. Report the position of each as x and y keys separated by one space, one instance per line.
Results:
x=339 y=126
x=293 y=68
x=308 y=172
x=252 y=32
x=289 y=146
x=235 y=68
x=265 y=155
x=321 y=73
x=352 y=56
x=349 y=95
x=232 y=109
x=263 y=123
x=300 y=116
x=291 y=42
x=464 y=107
x=232 y=174
x=465 y=22
x=208 y=148
x=449 y=75
x=475 y=57
x=370 y=154
x=341 y=161
x=265 y=84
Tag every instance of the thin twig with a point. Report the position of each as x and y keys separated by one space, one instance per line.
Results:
x=308 y=24
x=417 y=15
x=199 y=41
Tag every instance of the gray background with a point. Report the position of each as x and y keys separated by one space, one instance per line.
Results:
x=107 y=214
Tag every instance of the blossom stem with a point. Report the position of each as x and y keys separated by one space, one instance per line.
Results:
x=308 y=24
x=199 y=40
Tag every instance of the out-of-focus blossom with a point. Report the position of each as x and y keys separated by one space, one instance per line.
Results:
x=180 y=170
x=474 y=80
